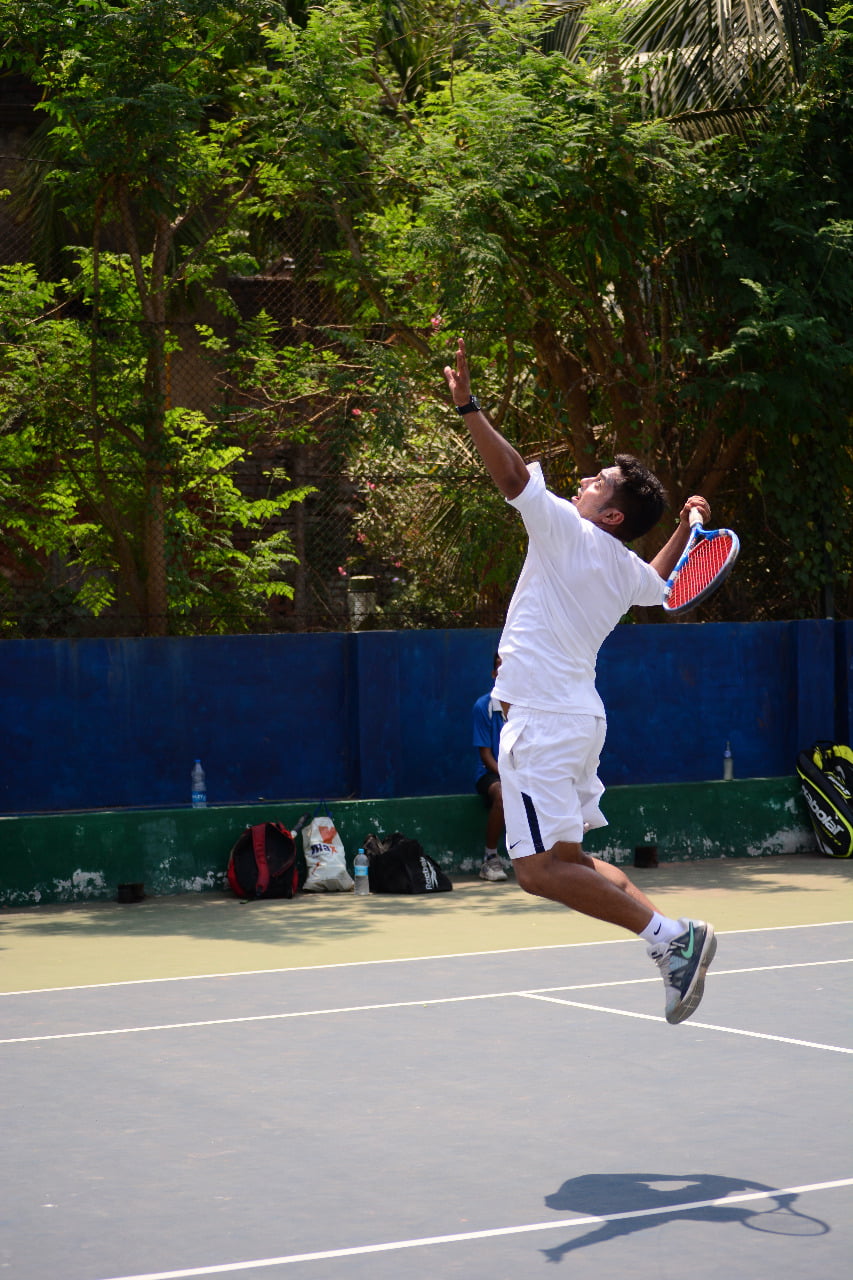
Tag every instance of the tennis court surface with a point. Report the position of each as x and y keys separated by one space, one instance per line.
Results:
x=474 y=1085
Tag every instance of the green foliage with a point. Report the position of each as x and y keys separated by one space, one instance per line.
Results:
x=688 y=302
x=439 y=168
x=75 y=473
x=153 y=145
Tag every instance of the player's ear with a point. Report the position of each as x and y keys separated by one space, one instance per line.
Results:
x=611 y=517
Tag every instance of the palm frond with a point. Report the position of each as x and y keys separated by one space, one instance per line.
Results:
x=716 y=60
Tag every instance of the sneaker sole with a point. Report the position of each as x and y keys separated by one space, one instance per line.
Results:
x=696 y=990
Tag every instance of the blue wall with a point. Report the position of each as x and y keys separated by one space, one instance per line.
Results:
x=108 y=723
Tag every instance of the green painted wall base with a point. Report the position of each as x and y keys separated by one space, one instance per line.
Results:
x=70 y=857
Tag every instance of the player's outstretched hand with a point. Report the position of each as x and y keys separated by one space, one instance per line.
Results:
x=459 y=379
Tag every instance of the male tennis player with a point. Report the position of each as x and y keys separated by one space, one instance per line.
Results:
x=578 y=579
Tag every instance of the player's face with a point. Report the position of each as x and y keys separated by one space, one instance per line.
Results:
x=596 y=493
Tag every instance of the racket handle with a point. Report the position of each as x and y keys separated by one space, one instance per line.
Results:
x=695 y=517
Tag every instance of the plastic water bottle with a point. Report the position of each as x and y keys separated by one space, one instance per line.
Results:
x=199 y=787
x=360 y=866
x=728 y=763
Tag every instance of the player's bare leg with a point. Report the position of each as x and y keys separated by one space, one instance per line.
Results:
x=495 y=816
x=568 y=852
x=566 y=874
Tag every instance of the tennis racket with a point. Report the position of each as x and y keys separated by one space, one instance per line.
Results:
x=705 y=563
x=784 y=1220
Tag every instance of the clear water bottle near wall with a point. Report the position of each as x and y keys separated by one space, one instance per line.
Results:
x=728 y=763
x=199 y=787
x=360 y=867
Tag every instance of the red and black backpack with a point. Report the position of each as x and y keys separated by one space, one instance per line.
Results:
x=263 y=863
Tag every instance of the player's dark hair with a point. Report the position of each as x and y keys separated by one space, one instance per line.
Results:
x=639 y=495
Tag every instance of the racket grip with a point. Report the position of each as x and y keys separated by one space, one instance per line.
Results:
x=695 y=517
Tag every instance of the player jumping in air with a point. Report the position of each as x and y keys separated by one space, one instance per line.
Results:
x=578 y=579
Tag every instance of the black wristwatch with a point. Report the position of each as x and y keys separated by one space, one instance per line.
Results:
x=473 y=406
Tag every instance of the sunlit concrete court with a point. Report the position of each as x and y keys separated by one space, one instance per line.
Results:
x=474 y=1084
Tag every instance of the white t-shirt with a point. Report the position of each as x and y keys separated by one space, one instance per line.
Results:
x=576 y=583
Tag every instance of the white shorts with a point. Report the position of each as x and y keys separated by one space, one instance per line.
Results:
x=548 y=767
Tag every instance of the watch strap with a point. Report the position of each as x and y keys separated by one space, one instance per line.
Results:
x=473 y=406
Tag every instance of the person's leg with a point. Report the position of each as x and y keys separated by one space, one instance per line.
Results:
x=566 y=874
x=685 y=949
x=551 y=792
x=495 y=818
x=489 y=787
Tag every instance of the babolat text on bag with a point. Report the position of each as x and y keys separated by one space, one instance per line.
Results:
x=826 y=778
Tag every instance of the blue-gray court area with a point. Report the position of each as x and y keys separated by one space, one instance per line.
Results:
x=492 y=1117
x=89 y=724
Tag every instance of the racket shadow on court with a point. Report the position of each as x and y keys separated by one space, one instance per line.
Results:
x=636 y=1201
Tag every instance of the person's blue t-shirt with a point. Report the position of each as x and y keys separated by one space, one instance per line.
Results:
x=488 y=722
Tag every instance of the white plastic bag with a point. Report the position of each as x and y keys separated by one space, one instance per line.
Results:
x=325 y=857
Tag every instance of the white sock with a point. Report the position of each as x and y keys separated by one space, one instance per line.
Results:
x=491 y=853
x=661 y=929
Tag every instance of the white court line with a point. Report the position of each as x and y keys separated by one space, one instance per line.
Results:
x=536 y=993
x=352 y=964
x=560 y=1224
x=705 y=1026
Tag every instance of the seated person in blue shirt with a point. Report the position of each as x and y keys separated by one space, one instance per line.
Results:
x=488 y=722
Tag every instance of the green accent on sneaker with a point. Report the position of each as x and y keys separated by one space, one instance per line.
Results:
x=687 y=952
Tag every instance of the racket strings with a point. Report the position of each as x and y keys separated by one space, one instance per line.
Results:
x=707 y=559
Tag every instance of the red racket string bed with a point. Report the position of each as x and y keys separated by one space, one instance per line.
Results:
x=704 y=564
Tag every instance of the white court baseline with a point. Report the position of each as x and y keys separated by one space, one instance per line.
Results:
x=257 y=1264
x=540 y=993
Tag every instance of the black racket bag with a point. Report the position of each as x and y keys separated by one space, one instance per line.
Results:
x=263 y=863
x=398 y=864
x=826 y=777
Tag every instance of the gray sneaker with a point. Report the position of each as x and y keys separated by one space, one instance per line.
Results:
x=683 y=964
x=492 y=870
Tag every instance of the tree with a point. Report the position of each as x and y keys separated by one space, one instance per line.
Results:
x=625 y=287
x=672 y=287
x=153 y=148
x=710 y=68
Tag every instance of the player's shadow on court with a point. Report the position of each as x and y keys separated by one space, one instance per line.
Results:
x=635 y=1201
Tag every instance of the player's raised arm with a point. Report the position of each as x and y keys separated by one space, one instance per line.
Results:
x=502 y=461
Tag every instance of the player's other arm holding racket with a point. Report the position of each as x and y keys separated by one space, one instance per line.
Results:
x=667 y=558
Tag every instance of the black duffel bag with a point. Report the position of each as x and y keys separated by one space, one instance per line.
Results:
x=398 y=864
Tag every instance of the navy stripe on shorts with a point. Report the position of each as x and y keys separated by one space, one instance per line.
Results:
x=533 y=823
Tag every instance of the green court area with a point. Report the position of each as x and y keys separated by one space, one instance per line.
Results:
x=176 y=936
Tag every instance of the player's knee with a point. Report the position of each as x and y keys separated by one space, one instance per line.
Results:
x=531 y=874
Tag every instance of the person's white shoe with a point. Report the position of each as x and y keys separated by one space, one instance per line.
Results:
x=683 y=964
